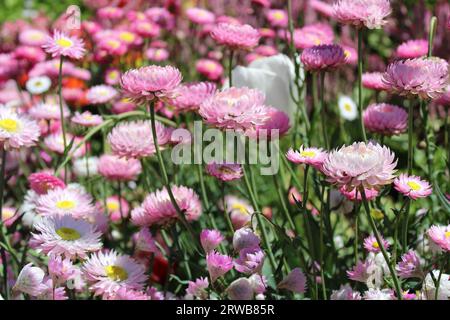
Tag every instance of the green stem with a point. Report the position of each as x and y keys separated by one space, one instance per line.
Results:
x=381 y=245
x=410 y=137
x=283 y=202
x=360 y=71
x=61 y=111
x=230 y=68
x=323 y=111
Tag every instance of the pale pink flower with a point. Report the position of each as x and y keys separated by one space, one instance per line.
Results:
x=379 y=294
x=245 y=238
x=198 y=288
x=158 y=209
x=128 y=294
x=424 y=77
x=146 y=29
x=345 y=292
x=147 y=83
x=412 y=49
x=410 y=266
x=190 y=96
x=360 y=165
x=368 y=13
x=385 y=119
x=33 y=37
x=9 y=215
x=65 y=235
x=200 y=16
x=277 y=18
x=313 y=35
x=112 y=76
x=356 y=194
x=109 y=272
x=87 y=119
x=225 y=171
x=218 y=264
x=68 y=201
x=29 y=55
x=48 y=111
x=157 y=54
x=116 y=208
x=276 y=125
x=145 y=242
x=135 y=140
x=101 y=94
x=240 y=210
x=211 y=69
x=374 y=80
x=111 y=13
x=307 y=155
x=123 y=105
x=440 y=235
x=251 y=260
x=61 y=269
x=30 y=280
x=360 y=272
x=371 y=244
x=119 y=169
x=55 y=143
x=240 y=289
x=42 y=182
x=112 y=46
x=323 y=57
x=210 y=239
x=412 y=186
x=236 y=36
x=295 y=281
x=235 y=108
x=17 y=130
x=62 y=45
x=322 y=7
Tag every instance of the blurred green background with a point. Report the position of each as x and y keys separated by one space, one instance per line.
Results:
x=14 y=9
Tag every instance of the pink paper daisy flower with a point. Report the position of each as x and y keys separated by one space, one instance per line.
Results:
x=68 y=201
x=42 y=182
x=116 y=208
x=225 y=171
x=412 y=49
x=135 y=140
x=87 y=119
x=295 y=281
x=371 y=244
x=276 y=125
x=277 y=18
x=55 y=143
x=240 y=210
x=235 y=36
x=424 y=77
x=385 y=119
x=101 y=94
x=412 y=186
x=218 y=264
x=147 y=83
x=250 y=260
x=440 y=235
x=360 y=165
x=245 y=238
x=30 y=280
x=65 y=235
x=119 y=169
x=158 y=209
x=356 y=195
x=9 y=215
x=235 y=108
x=323 y=57
x=200 y=16
x=48 y=111
x=368 y=13
x=157 y=54
x=360 y=272
x=33 y=37
x=374 y=80
x=210 y=239
x=17 y=130
x=410 y=266
x=145 y=241
x=109 y=272
x=190 y=96
x=313 y=35
x=309 y=156
x=128 y=294
x=198 y=288
x=211 y=69
x=62 y=45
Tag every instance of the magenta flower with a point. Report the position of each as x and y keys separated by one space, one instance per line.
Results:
x=218 y=264
x=210 y=239
x=145 y=242
x=225 y=171
x=360 y=272
x=119 y=169
x=277 y=18
x=410 y=266
x=198 y=288
x=295 y=281
x=424 y=77
x=440 y=235
x=412 y=186
x=371 y=244
x=356 y=195
x=374 y=80
x=309 y=156
x=200 y=16
x=360 y=13
x=385 y=119
x=190 y=96
x=313 y=35
x=42 y=182
x=245 y=238
x=62 y=45
x=322 y=7
x=360 y=165
x=158 y=209
x=323 y=57
x=250 y=260
x=235 y=36
x=412 y=49
x=276 y=123
x=147 y=83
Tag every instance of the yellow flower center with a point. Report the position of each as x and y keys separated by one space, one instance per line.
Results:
x=278 y=16
x=240 y=207
x=112 y=206
x=7 y=214
x=210 y=66
x=113 y=44
x=308 y=154
x=65 y=43
x=127 y=37
x=116 y=273
x=65 y=204
x=317 y=41
x=414 y=185
x=68 y=234
x=347 y=107
x=114 y=75
x=375 y=244
x=9 y=125
x=447 y=234
x=347 y=54
x=38 y=84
